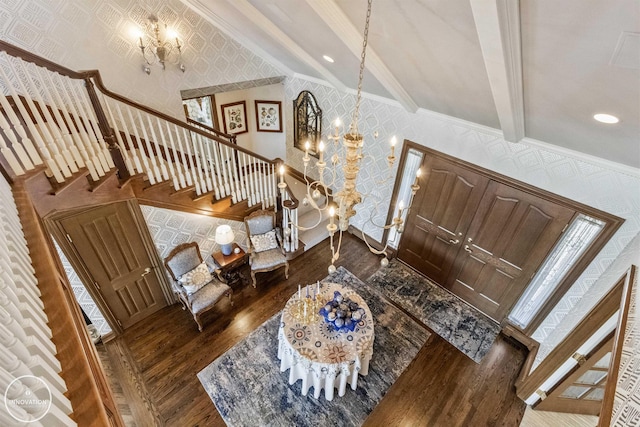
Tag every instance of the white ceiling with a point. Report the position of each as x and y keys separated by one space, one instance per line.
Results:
x=534 y=68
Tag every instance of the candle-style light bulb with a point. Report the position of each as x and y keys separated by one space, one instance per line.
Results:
x=281 y=170
x=400 y=208
x=332 y=214
x=307 y=145
x=321 y=150
x=391 y=158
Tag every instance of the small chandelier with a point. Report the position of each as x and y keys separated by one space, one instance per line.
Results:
x=347 y=197
x=159 y=45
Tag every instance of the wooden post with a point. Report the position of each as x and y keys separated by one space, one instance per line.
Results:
x=107 y=133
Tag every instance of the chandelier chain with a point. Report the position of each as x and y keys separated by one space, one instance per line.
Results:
x=354 y=123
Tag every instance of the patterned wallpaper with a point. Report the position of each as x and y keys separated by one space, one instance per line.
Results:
x=169 y=228
x=82 y=34
x=95 y=34
x=626 y=406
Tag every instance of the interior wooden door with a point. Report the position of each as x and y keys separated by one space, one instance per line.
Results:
x=442 y=211
x=509 y=237
x=582 y=391
x=110 y=246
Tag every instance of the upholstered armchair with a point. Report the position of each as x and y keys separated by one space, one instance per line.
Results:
x=193 y=282
x=265 y=244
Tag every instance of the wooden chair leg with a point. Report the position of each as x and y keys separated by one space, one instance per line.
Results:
x=197 y=319
x=230 y=294
x=253 y=277
x=286 y=271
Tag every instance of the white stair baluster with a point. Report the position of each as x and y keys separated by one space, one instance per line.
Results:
x=52 y=167
x=179 y=160
x=48 y=125
x=86 y=148
x=150 y=154
x=69 y=134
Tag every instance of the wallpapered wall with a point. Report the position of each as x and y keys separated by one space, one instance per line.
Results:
x=83 y=34
x=95 y=34
x=170 y=228
x=626 y=407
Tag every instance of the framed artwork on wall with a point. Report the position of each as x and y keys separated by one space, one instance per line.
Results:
x=269 y=116
x=234 y=118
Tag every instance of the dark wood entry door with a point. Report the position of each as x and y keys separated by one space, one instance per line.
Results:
x=113 y=252
x=510 y=235
x=441 y=214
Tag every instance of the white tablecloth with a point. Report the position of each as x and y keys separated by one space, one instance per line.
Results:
x=320 y=356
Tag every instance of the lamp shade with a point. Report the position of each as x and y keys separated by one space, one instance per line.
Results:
x=224 y=237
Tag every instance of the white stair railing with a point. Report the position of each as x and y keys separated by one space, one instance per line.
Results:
x=62 y=130
x=165 y=150
x=54 y=117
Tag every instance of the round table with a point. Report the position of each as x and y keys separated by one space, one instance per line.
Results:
x=317 y=354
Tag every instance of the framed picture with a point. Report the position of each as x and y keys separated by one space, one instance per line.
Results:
x=269 y=116
x=234 y=118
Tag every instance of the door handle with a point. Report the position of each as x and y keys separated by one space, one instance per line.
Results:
x=454 y=242
x=146 y=271
x=467 y=248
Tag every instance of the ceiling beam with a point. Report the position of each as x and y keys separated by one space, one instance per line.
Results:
x=498 y=27
x=340 y=24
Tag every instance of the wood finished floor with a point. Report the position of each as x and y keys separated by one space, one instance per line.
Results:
x=441 y=387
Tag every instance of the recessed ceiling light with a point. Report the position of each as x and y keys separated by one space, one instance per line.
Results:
x=328 y=58
x=606 y=118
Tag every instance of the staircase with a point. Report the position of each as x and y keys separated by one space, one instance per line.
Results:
x=67 y=124
x=307 y=216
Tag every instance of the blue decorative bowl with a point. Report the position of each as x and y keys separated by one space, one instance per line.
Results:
x=342 y=313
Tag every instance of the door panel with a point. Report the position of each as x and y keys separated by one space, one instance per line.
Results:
x=111 y=248
x=442 y=211
x=510 y=235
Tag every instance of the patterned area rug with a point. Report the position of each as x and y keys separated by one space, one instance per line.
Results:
x=463 y=326
x=248 y=389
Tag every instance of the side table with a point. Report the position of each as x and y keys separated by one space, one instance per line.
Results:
x=229 y=264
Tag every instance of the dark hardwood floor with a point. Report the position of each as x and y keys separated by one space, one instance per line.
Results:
x=441 y=387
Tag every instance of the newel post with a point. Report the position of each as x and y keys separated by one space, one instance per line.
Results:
x=107 y=132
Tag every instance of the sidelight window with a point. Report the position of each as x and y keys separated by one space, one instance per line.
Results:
x=582 y=232
x=411 y=166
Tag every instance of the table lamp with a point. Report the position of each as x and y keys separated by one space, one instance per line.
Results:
x=224 y=237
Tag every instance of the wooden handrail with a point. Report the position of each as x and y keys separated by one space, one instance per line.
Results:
x=42 y=62
x=210 y=129
x=98 y=82
x=606 y=411
x=605 y=308
x=97 y=79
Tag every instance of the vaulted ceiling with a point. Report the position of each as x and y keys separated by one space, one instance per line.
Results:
x=535 y=69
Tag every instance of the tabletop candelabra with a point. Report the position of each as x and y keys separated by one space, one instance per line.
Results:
x=305 y=309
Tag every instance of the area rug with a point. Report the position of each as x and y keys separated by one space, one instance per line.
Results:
x=247 y=387
x=466 y=328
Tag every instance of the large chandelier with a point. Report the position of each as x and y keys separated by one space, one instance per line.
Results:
x=341 y=209
x=159 y=45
